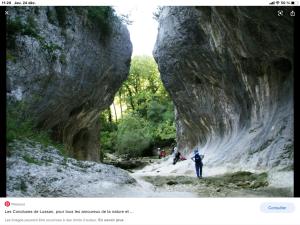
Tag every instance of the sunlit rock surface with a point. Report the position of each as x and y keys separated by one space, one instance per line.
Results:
x=68 y=69
x=34 y=170
x=229 y=71
x=37 y=171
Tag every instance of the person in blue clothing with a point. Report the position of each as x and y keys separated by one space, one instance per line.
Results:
x=197 y=158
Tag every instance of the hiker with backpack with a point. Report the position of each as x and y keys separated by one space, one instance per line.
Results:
x=197 y=158
x=174 y=151
x=158 y=152
x=177 y=155
x=162 y=154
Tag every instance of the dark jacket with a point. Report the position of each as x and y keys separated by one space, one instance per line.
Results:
x=199 y=162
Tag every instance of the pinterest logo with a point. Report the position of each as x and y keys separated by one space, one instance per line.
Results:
x=7 y=203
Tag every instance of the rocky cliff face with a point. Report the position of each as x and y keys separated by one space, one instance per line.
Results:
x=68 y=68
x=229 y=71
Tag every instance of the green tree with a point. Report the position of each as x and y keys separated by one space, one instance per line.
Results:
x=147 y=112
x=143 y=82
x=108 y=131
x=133 y=136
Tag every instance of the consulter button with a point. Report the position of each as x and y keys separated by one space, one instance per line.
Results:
x=277 y=207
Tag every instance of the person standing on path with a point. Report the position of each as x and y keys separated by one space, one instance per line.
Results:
x=158 y=152
x=198 y=163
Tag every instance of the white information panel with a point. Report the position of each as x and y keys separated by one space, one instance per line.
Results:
x=150 y=211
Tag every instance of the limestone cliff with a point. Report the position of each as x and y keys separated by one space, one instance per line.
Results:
x=67 y=63
x=229 y=71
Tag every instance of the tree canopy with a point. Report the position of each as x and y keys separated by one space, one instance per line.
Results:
x=142 y=115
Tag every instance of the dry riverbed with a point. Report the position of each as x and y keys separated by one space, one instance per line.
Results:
x=239 y=184
x=34 y=170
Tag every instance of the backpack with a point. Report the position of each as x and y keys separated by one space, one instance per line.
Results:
x=197 y=158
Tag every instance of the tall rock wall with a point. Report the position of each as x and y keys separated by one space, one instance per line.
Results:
x=229 y=71
x=67 y=66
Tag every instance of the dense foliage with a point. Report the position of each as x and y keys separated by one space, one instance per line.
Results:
x=101 y=17
x=142 y=115
x=134 y=136
x=20 y=125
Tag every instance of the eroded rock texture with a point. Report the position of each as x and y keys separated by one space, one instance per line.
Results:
x=34 y=170
x=229 y=71
x=68 y=68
